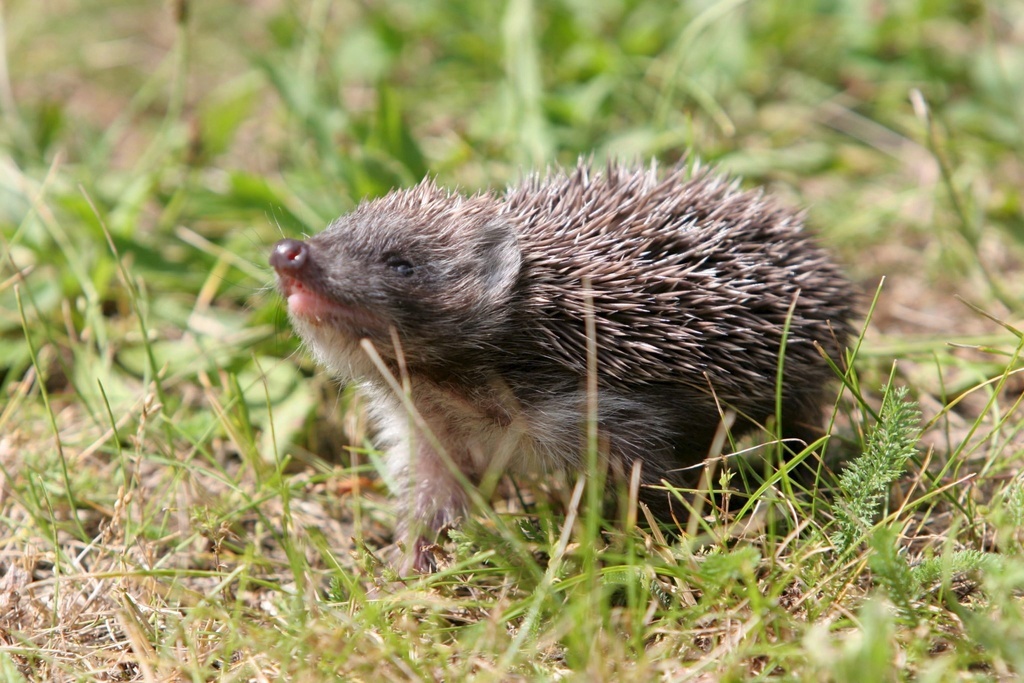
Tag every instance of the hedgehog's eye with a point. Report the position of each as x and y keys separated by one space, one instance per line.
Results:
x=400 y=265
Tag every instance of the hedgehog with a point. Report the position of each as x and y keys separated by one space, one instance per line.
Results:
x=474 y=325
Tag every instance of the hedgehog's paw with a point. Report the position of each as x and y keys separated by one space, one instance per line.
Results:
x=427 y=556
x=423 y=552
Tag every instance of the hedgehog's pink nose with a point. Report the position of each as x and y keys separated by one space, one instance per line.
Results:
x=289 y=256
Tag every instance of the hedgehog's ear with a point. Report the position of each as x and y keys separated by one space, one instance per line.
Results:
x=497 y=250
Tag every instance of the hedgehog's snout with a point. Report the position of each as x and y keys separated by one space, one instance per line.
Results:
x=289 y=256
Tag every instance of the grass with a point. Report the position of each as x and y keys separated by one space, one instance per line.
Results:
x=183 y=497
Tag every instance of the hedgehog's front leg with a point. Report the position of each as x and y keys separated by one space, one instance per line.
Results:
x=430 y=500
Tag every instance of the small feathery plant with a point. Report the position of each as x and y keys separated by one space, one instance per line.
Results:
x=1006 y=516
x=864 y=485
x=863 y=489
